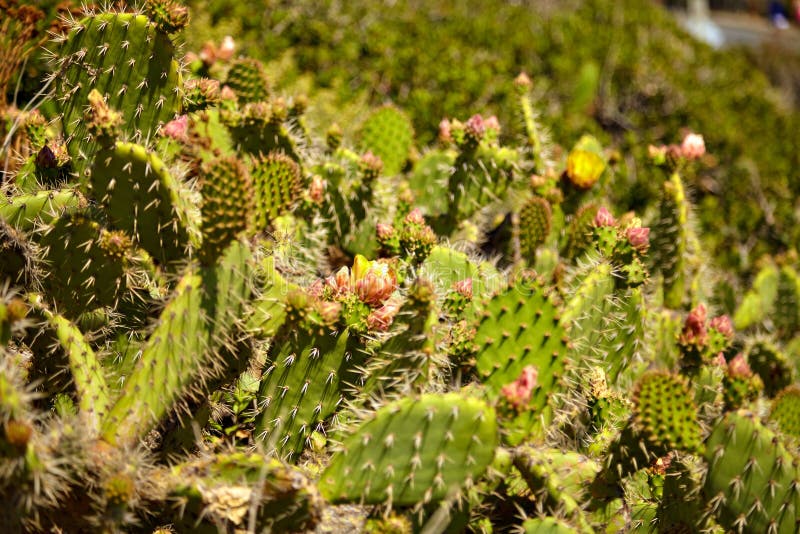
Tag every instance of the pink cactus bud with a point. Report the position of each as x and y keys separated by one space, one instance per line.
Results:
x=415 y=217
x=339 y=282
x=177 y=128
x=316 y=190
x=639 y=238
x=604 y=218
x=719 y=360
x=385 y=231
x=693 y=146
x=694 y=329
x=226 y=93
x=208 y=54
x=475 y=127
x=445 y=132
x=722 y=324
x=518 y=393
x=738 y=367
x=381 y=318
x=226 y=48
x=464 y=287
x=492 y=124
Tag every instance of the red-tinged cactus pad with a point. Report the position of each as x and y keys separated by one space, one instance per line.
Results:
x=414 y=450
x=753 y=483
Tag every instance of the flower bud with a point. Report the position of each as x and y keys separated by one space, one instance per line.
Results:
x=226 y=48
x=722 y=324
x=445 y=133
x=382 y=318
x=738 y=367
x=377 y=284
x=639 y=238
x=464 y=287
x=177 y=128
x=604 y=218
x=415 y=217
x=693 y=146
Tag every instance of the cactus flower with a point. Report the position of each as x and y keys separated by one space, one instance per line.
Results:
x=604 y=218
x=518 y=393
x=415 y=217
x=377 y=283
x=475 y=127
x=316 y=190
x=693 y=146
x=639 y=238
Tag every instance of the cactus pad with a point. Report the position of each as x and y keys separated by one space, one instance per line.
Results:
x=535 y=220
x=278 y=185
x=130 y=63
x=753 y=484
x=227 y=203
x=414 y=450
x=388 y=133
x=664 y=413
x=248 y=80
x=785 y=411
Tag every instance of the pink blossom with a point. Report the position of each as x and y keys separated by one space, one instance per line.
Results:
x=722 y=324
x=604 y=218
x=177 y=128
x=639 y=238
x=719 y=360
x=518 y=393
x=738 y=367
x=377 y=284
x=464 y=287
x=693 y=146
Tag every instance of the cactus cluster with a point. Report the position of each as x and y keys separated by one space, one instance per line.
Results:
x=217 y=319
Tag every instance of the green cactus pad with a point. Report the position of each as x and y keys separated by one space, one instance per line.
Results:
x=388 y=134
x=84 y=270
x=759 y=302
x=304 y=381
x=278 y=185
x=182 y=352
x=414 y=450
x=579 y=231
x=520 y=327
x=428 y=180
x=670 y=241
x=771 y=364
x=142 y=198
x=535 y=220
x=785 y=411
x=547 y=525
x=131 y=64
x=87 y=373
x=664 y=413
x=787 y=303
x=25 y=212
x=248 y=80
x=227 y=204
x=753 y=484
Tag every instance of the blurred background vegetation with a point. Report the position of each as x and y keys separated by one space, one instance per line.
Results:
x=622 y=70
